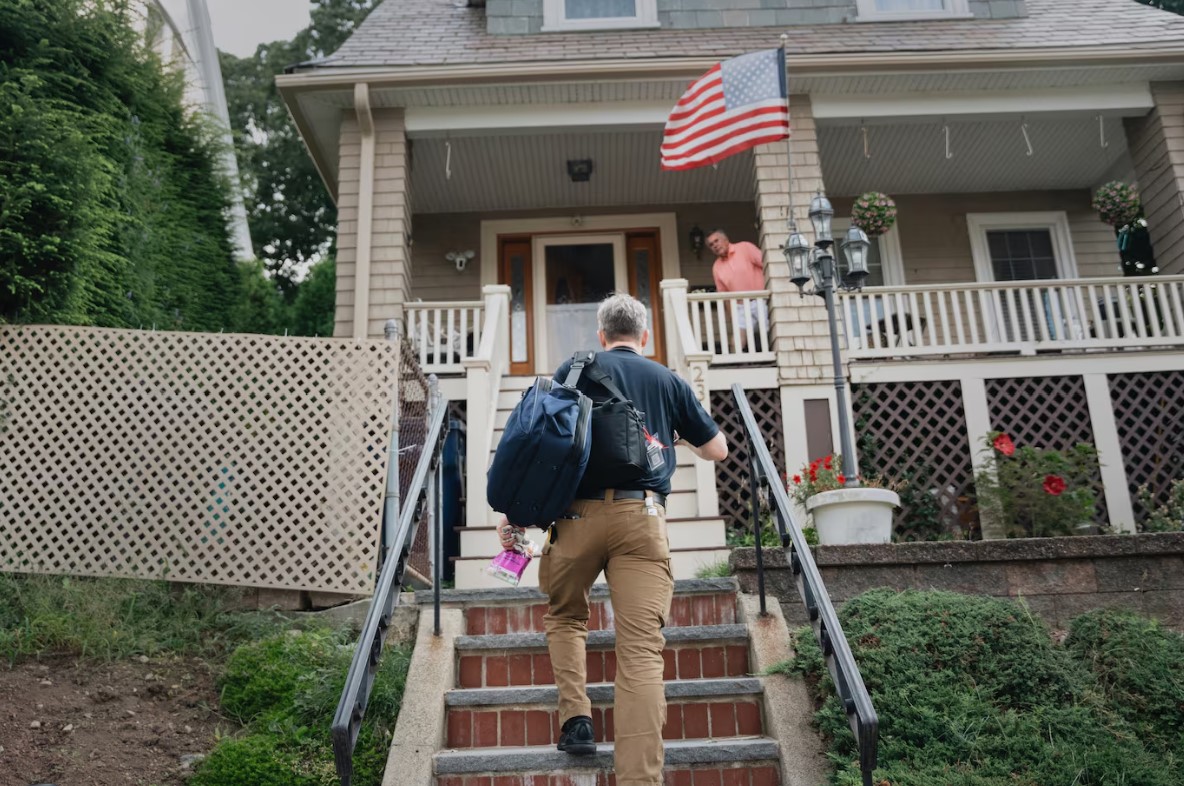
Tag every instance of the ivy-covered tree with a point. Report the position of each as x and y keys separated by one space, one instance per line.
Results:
x=292 y=218
x=111 y=208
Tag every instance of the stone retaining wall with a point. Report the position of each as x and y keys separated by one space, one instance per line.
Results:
x=1058 y=578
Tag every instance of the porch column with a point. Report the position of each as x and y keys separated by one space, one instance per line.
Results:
x=1156 y=144
x=800 y=336
x=374 y=220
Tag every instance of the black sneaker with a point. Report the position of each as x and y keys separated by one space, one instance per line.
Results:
x=576 y=736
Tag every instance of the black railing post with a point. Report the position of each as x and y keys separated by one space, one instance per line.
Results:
x=828 y=631
x=437 y=512
x=754 y=486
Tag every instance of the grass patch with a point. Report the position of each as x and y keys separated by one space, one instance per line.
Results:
x=717 y=570
x=972 y=692
x=1139 y=665
x=112 y=619
x=286 y=688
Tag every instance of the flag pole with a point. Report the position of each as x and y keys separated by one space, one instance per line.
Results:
x=793 y=225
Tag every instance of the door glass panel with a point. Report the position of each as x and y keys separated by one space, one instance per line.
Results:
x=641 y=285
x=578 y=277
x=1024 y=255
x=518 y=342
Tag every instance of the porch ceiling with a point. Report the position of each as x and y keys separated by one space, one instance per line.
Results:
x=519 y=172
x=910 y=158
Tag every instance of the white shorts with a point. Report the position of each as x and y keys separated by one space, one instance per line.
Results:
x=755 y=312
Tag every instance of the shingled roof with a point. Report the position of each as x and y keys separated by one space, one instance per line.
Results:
x=449 y=32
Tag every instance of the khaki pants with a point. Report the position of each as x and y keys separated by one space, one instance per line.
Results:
x=618 y=537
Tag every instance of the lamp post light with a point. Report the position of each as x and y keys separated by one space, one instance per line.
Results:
x=823 y=268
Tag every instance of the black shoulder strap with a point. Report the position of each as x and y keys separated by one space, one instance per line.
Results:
x=579 y=361
x=597 y=374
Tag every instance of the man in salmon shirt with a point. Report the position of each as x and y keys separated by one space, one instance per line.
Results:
x=739 y=267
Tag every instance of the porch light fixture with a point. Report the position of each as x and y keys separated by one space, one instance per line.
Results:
x=697 y=240
x=820 y=265
x=460 y=258
x=579 y=170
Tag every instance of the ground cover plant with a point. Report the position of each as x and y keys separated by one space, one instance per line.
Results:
x=973 y=691
x=128 y=680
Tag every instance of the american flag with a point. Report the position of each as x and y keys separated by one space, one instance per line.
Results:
x=738 y=104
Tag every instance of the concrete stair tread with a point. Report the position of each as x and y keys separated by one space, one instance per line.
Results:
x=669 y=520
x=545 y=758
x=599 y=692
x=603 y=638
x=534 y=595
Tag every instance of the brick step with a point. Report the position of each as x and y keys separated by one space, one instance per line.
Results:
x=685 y=533
x=692 y=652
x=738 y=761
x=696 y=709
x=684 y=563
x=707 y=608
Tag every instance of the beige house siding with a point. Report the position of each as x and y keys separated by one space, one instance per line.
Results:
x=799 y=329
x=935 y=241
x=350 y=153
x=437 y=234
x=1157 y=148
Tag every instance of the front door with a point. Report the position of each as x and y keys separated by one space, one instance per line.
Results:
x=557 y=283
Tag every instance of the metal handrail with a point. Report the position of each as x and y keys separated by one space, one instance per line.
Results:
x=836 y=652
x=351 y=709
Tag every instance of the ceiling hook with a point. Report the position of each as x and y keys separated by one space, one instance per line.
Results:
x=448 y=160
x=867 y=153
x=1102 y=132
x=1027 y=141
x=949 y=155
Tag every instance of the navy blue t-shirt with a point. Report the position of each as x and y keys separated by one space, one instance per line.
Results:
x=666 y=399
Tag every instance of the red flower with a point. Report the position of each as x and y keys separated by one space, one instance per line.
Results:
x=828 y=462
x=1004 y=445
x=841 y=478
x=813 y=475
x=1054 y=484
x=797 y=478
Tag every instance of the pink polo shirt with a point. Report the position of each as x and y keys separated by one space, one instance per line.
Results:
x=742 y=270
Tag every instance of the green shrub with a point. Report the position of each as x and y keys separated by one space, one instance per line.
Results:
x=263 y=676
x=972 y=691
x=255 y=760
x=1140 y=666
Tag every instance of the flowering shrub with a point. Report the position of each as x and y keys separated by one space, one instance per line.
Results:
x=1168 y=517
x=824 y=474
x=1038 y=492
x=874 y=213
x=1117 y=203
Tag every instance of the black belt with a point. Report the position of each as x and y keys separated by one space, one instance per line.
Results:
x=626 y=494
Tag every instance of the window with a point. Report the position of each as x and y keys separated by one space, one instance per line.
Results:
x=559 y=15
x=889 y=10
x=885 y=265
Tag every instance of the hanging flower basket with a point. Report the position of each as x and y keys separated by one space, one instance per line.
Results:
x=874 y=213
x=1117 y=203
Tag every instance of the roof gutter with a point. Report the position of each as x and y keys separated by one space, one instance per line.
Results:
x=326 y=76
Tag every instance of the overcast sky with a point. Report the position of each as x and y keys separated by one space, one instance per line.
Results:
x=240 y=25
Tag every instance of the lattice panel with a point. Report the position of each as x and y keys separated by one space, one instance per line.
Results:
x=1149 y=413
x=731 y=477
x=910 y=427
x=228 y=459
x=1044 y=412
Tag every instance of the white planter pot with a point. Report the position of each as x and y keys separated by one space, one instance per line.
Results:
x=857 y=515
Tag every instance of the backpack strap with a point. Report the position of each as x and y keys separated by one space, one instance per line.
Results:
x=594 y=373
x=579 y=361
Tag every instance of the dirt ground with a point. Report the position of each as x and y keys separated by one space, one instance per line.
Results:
x=133 y=723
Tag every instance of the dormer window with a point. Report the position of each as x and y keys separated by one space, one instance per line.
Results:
x=911 y=10
x=574 y=15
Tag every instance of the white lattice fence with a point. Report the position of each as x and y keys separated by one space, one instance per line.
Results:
x=229 y=459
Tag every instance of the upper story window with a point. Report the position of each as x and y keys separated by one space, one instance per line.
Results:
x=903 y=10
x=563 y=15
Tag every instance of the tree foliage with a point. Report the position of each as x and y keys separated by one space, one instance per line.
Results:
x=1175 y=6
x=291 y=216
x=111 y=209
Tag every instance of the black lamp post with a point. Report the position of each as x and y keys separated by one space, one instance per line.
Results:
x=818 y=264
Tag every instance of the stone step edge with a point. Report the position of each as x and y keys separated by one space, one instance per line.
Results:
x=599 y=692
x=491 y=528
x=488 y=556
x=603 y=638
x=599 y=592
x=546 y=759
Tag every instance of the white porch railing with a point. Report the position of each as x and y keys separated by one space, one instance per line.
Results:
x=732 y=326
x=1016 y=317
x=444 y=333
